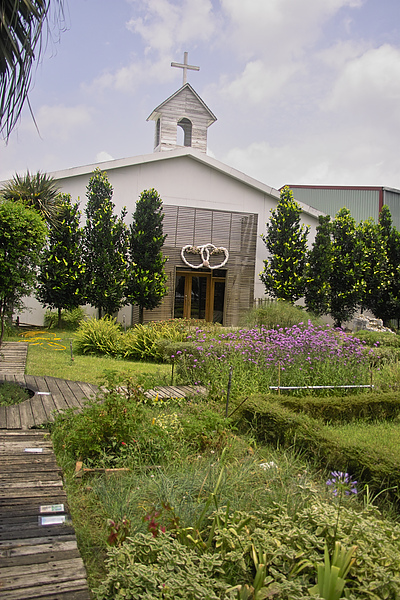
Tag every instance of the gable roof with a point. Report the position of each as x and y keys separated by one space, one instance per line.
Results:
x=190 y=153
x=155 y=114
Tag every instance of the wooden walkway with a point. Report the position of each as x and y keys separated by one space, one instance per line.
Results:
x=51 y=395
x=39 y=557
x=13 y=358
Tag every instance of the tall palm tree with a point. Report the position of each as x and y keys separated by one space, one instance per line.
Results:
x=39 y=191
x=21 y=35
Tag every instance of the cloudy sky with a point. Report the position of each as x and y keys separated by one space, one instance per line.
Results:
x=305 y=91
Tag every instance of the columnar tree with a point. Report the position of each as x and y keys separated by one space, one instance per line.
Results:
x=385 y=302
x=61 y=276
x=147 y=281
x=346 y=283
x=105 y=248
x=374 y=263
x=22 y=235
x=286 y=242
x=319 y=269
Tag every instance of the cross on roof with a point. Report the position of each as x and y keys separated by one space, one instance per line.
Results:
x=185 y=67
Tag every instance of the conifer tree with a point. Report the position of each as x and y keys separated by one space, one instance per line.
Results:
x=105 y=248
x=61 y=276
x=286 y=242
x=319 y=268
x=147 y=281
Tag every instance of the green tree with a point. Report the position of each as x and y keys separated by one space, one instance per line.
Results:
x=319 y=269
x=385 y=301
x=374 y=263
x=105 y=245
x=22 y=235
x=61 y=276
x=286 y=242
x=147 y=282
x=346 y=283
x=21 y=42
x=39 y=191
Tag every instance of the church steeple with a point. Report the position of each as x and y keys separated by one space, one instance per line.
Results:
x=184 y=109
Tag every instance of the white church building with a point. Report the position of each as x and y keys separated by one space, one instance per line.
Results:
x=214 y=215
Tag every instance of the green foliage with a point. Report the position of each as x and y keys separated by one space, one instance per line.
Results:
x=99 y=336
x=286 y=242
x=319 y=269
x=70 y=319
x=149 y=342
x=146 y=283
x=39 y=192
x=384 y=301
x=12 y=393
x=274 y=314
x=378 y=339
x=148 y=568
x=347 y=285
x=119 y=428
x=373 y=268
x=22 y=235
x=105 y=248
x=22 y=40
x=61 y=277
x=369 y=407
x=275 y=424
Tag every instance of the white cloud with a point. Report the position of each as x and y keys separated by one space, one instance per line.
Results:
x=60 y=122
x=280 y=28
x=369 y=85
x=166 y=25
x=259 y=82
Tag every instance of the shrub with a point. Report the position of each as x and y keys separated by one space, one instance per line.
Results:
x=99 y=336
x=379 y=339
x=147 y=342
x=70 y=319
x=274 y=314
x=150 y=567
x=369 y=406
x=272 y=423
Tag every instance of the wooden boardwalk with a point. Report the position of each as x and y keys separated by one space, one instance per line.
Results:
x=13 y=358
x=39 y=557
x=51 y=395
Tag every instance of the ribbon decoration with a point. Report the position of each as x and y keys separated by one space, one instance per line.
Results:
x=205 y=252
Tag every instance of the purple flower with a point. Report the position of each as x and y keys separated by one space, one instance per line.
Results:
x=342 y=483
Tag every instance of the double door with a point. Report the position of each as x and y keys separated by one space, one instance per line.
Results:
x=199 y=296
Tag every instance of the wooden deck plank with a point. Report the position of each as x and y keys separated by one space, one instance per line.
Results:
x=36 y=561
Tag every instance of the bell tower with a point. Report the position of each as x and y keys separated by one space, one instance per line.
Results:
x=186 y=110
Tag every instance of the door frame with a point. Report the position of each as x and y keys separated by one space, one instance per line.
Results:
x=187 y=302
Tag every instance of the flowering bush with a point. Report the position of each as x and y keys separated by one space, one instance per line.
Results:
x=302 y=355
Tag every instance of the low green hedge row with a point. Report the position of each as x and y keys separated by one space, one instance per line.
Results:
x=272 y=423
x=369 y=406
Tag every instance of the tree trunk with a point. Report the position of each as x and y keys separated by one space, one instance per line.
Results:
x=141 y=311
x=59 y=317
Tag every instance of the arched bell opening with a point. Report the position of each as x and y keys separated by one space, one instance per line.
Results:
x=186 y=125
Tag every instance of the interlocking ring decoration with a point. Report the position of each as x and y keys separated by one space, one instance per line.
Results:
x=205 y=252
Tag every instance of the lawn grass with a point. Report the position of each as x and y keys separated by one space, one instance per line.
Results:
x=49 y=354
x=382 y=436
